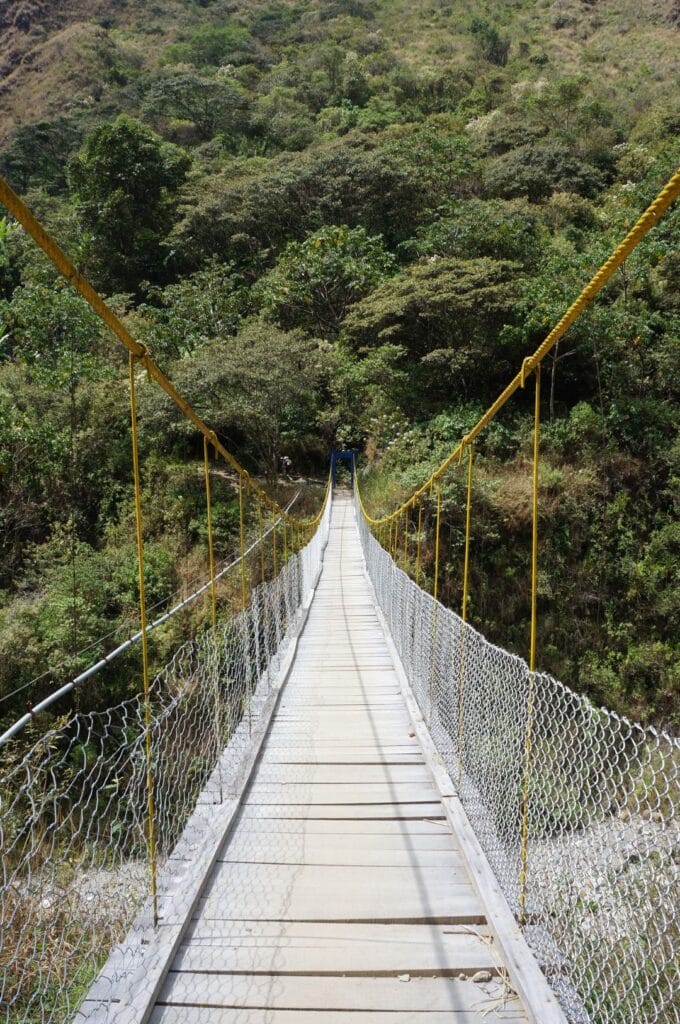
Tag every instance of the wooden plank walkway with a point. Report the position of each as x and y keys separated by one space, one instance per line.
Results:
x=341 y=893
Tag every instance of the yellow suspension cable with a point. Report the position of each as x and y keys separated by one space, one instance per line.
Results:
x=213 y=585
x=620 y=254
x=32 y=226
x=151 y=823
x=285 y=542
x=242 y=539
x=532 y=658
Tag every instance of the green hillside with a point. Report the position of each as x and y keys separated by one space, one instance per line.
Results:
x=344 y=223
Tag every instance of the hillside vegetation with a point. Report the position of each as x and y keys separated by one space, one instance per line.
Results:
x=344 y=223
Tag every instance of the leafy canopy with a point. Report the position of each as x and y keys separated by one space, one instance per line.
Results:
x=124 y=183
x=315 y=282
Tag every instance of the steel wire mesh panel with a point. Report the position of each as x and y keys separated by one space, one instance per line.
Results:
x=598 y=797
x=75 y=881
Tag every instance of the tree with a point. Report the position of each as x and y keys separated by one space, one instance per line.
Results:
x=52 y=330
x=490 y=44
x=443 y=162
x=260 y=390
x=536 y=171
x=207 y=306
x=285 y=121
x=39 y=154
x=446 y=314
x=9 y=270
x=124 y=182
x=356 y=183
x=314 y=282
x=228 y=44
x=475 y=227
x=213 y=106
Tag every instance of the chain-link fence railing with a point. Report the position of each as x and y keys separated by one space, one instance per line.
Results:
x=75 y=882
x=575 y=807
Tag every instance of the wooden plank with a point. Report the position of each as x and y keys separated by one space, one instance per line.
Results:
x=339 y=893
x=360 y=701
x=326 y=774
x=339 y=881
x=340 y=935
x=266 y=847
x=323 y=854
x=323 y=735
x=324 y=723
x=356 y=951
x=340 y=678
x=329 y=741
x=329 y=994
x=376 y=812
x=354 y=755
x=344 y=827
x=212 y=1015
x=347 y=794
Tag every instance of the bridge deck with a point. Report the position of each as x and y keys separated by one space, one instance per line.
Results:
x=341 y=890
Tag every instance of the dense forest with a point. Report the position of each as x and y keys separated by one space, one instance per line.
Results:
x=343 y=223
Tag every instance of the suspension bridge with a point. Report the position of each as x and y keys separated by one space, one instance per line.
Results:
x=341 y=802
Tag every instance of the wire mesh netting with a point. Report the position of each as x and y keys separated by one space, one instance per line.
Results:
x=595 y=796
x=75 y=884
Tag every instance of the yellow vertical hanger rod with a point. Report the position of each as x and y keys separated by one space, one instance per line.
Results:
x=242 y=537
x=435 y=588
x=151 y=814
x=211 y=555
x=528 y=734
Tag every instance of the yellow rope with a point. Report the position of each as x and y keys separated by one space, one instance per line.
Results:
x=649 y=218
x=32 y=226
x=151 y=823
x=213 y=585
